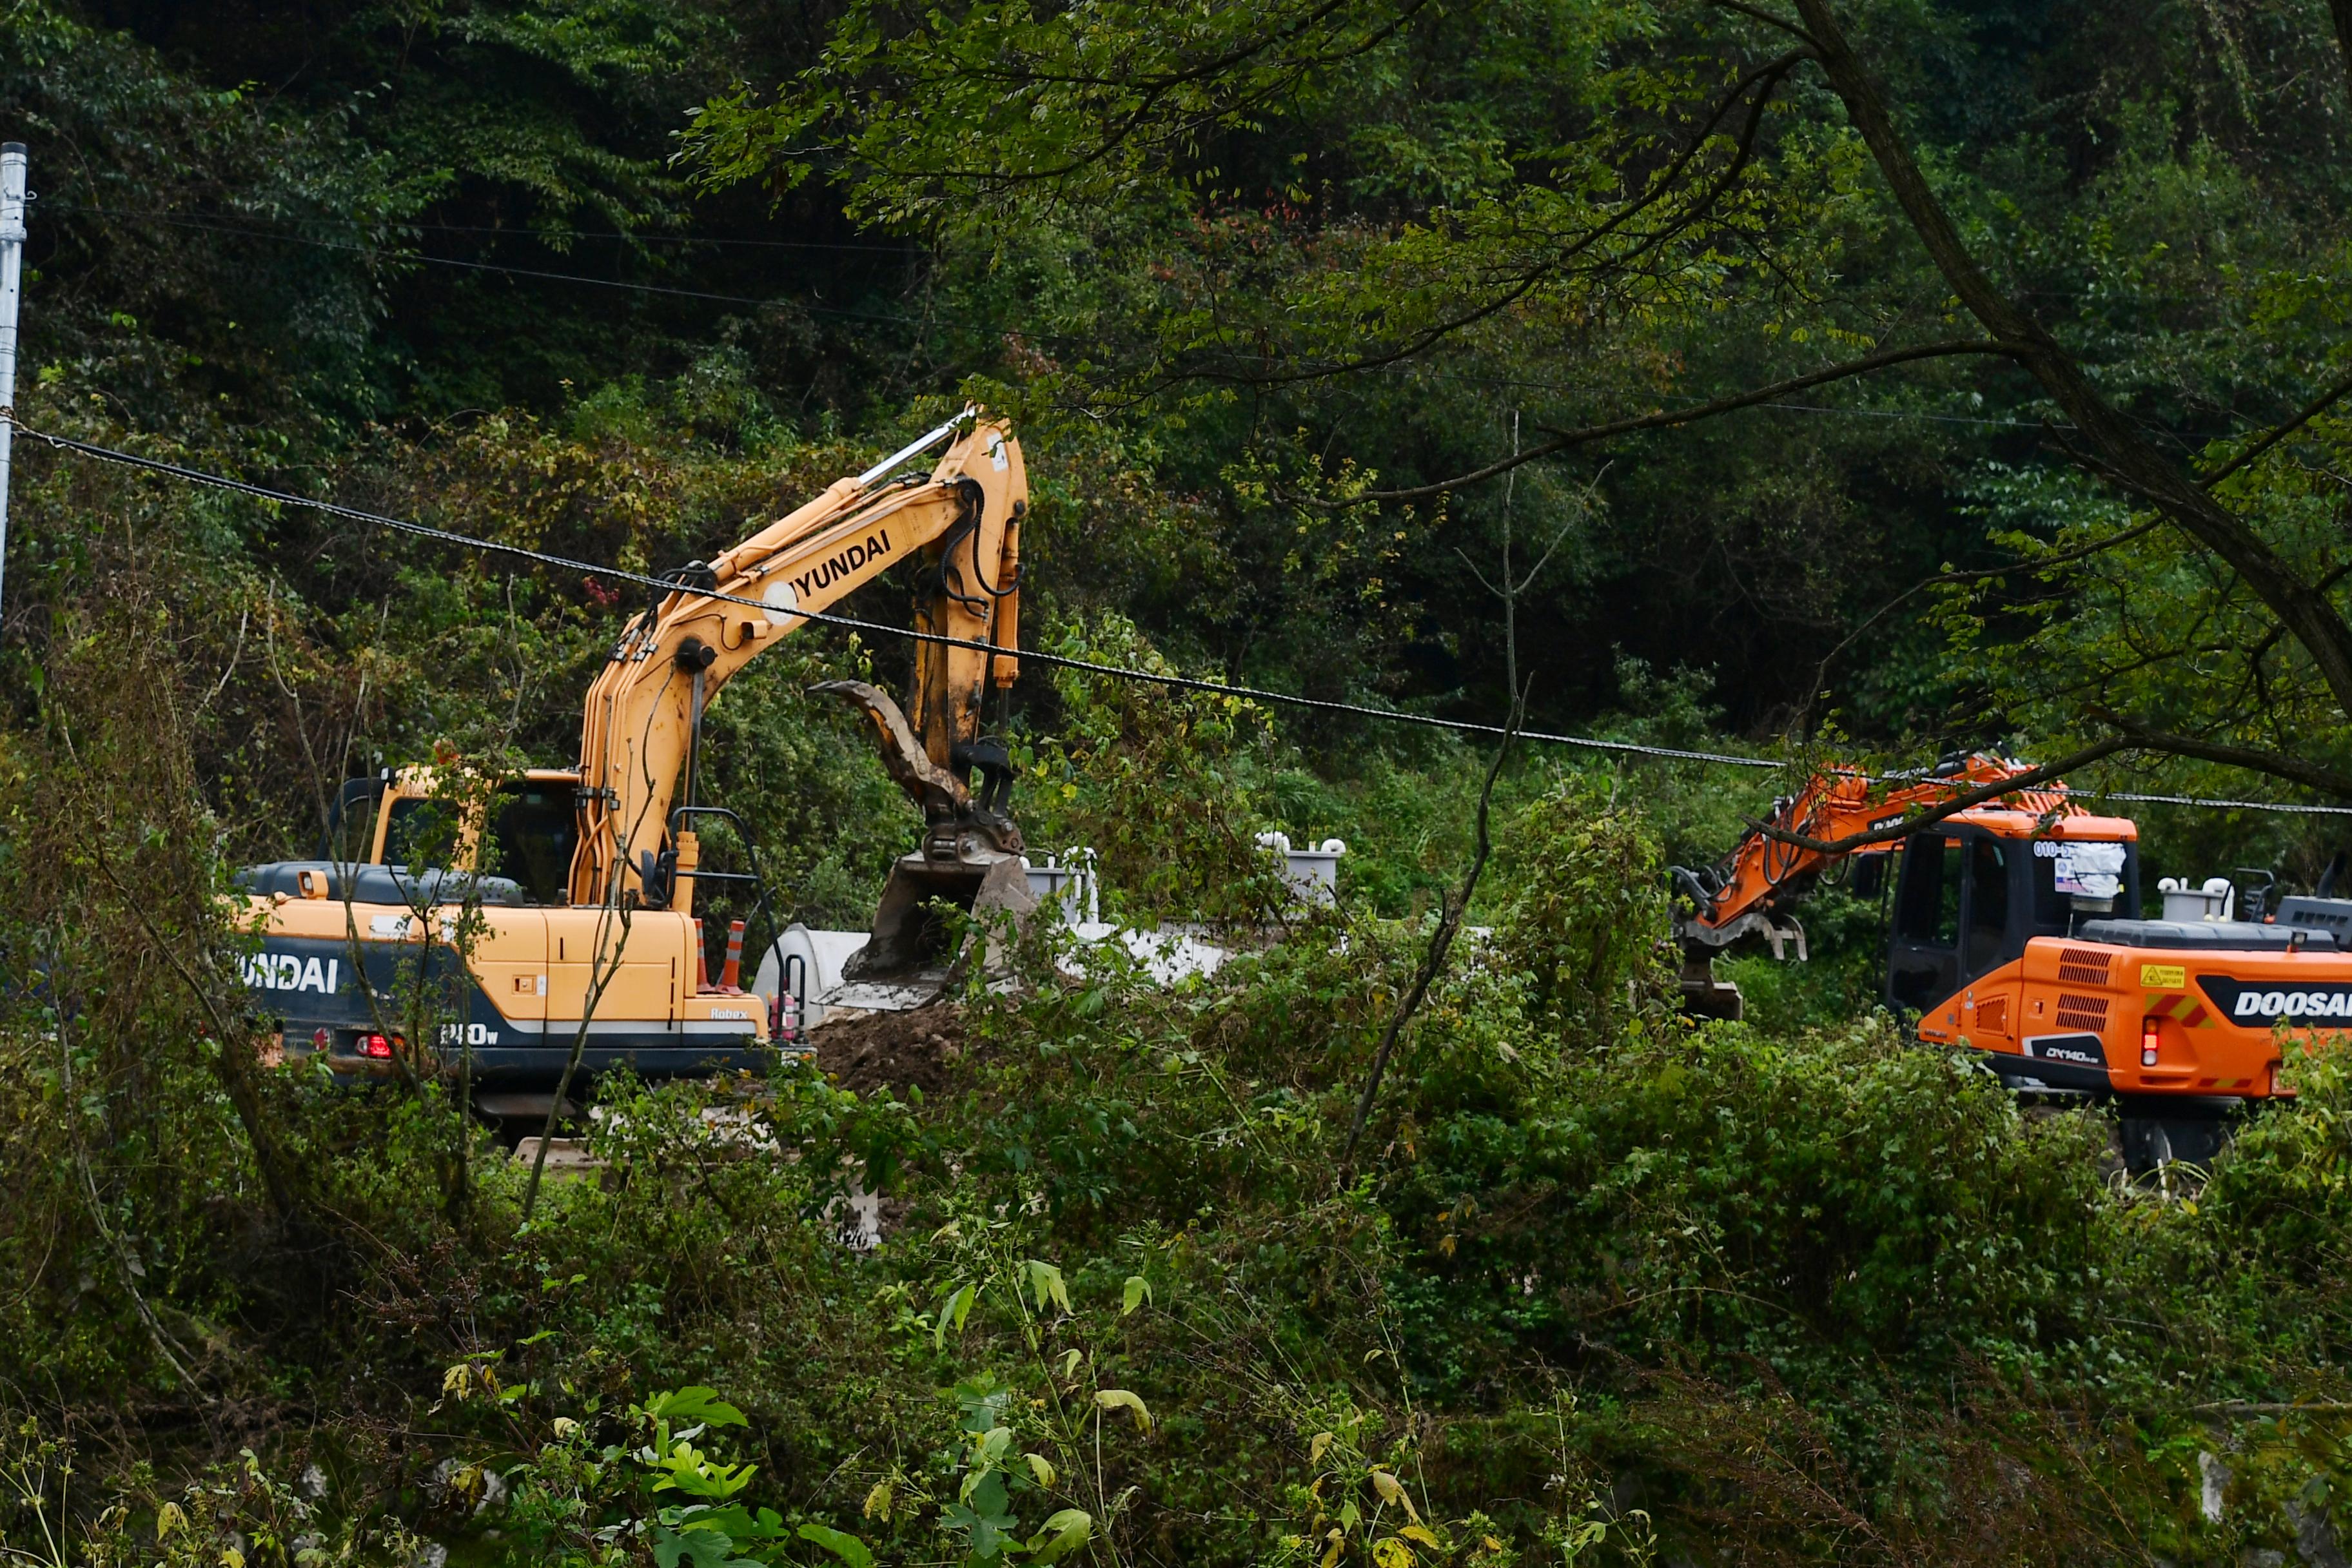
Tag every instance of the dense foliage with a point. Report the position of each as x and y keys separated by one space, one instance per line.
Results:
x=1804 y=381
x=1608 y=1283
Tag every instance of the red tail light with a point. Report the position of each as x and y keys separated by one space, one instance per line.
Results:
x=2150 y=1037
x=376 y=1046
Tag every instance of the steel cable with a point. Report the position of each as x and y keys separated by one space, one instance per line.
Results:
x=1058 y=662
x=1053 y=660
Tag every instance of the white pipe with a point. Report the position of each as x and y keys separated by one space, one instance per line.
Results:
x=12 y=272
x=920 y=444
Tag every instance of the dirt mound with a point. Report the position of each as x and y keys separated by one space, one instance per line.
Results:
x=892 y=1050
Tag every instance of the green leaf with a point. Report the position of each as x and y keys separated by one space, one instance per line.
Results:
x=1047 y=1284
x=955 y=1309
x=1063 y=1533
x=1138 y=1291
x=1120 y=1399
x=992 y=1447
x=840 y=1543
x=985 y=1493
x=694 y=1402
x=687 y=1469
x=985 y=1530
x=704 y=1548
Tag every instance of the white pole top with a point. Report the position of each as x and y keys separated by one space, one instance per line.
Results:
x=12 y=272
x=11 y=192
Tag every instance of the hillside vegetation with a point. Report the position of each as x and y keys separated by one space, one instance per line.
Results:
x=1788 y=382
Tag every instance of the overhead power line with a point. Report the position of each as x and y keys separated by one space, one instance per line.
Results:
x=1917 y=413
x=237 y=225
x=510 y=231
x=541 y=274
x=2212 y=804
x=1058 y=662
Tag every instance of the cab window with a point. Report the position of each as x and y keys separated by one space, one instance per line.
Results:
x=1988 y=904
x=2059 y=904
x=533 y=828
x=419 y=831
x=1930 y=908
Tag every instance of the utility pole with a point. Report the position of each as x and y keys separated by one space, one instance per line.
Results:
x=12 y=274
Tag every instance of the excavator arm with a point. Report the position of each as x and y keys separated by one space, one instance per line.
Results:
x=1750 y=890
x=640 y=734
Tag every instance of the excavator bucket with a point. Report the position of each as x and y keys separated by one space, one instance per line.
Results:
x=970 y=862
x=1707 y=996
x=911 y=958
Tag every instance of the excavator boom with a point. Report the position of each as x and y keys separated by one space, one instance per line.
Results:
x=640 y=731
x=1751 y=889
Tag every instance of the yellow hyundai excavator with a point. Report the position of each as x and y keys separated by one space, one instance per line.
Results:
x=581 y=916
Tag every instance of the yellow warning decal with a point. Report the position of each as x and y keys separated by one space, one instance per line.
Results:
x=2172 y=976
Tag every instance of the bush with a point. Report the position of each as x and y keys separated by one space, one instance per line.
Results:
x=1584 y=916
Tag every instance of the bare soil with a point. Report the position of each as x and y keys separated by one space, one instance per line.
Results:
x=891 y=1050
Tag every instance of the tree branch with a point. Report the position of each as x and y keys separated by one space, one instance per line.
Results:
x=175 y=1353
x=1758 y=14
x=235 y=1071
x=2311 y=410
x=1768 y=76
x=2277 y=765
x=2128 y=457
x=1974 y=574
x=1432 y=960
x=1663 y=419
x=2340 y=12
x=602 y=967
x=1154 y=88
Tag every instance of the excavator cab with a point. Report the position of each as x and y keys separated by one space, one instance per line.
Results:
x=1968 y=896
x=521 y=829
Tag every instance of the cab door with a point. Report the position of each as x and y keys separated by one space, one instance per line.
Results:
x=1923 y=940
x=1996 y=918
x=1988 y=939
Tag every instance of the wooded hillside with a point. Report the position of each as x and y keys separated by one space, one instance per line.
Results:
x=1811 y=380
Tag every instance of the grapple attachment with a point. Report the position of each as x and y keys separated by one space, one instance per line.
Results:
x=971 y=861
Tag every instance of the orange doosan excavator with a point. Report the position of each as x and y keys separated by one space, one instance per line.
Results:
x=2014 y=931
x=563 y=911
